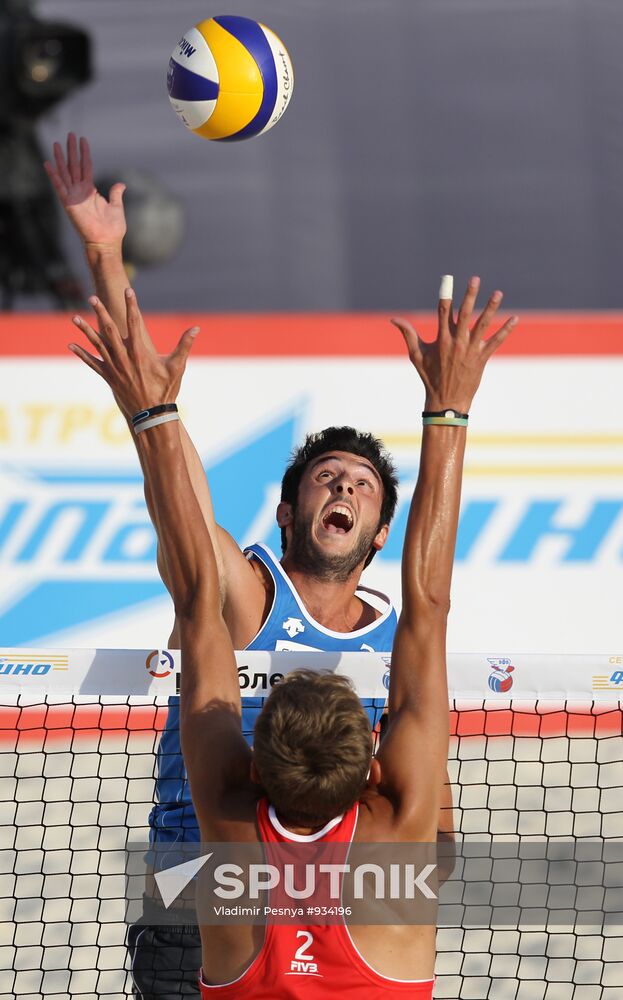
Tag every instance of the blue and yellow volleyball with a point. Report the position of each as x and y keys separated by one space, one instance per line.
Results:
x=230 y=78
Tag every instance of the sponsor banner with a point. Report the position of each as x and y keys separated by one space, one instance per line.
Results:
x=494 y=680
x=539 y=563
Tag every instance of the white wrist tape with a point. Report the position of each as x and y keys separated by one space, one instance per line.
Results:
x=164 y=418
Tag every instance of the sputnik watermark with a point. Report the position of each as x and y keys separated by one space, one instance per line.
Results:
x=233 y=882
x=320 y=881
x=477 y=882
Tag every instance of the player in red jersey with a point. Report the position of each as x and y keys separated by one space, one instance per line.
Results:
x=311 y=776
x=317 y=572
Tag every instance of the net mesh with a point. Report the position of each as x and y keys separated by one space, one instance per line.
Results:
x=76 y=784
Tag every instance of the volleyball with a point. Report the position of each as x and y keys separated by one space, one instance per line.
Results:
x=230 y=78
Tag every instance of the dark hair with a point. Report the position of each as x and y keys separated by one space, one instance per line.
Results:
x=312 y=747
x=355 y=443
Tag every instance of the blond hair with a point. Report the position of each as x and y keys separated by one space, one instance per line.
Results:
x=312 y=747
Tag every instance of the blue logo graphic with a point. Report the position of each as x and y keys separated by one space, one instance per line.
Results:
x=33 y=668
x=77 y=546
x=25 y=669
x=500 y=679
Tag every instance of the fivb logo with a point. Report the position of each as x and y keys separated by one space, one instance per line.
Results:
x=303 y=963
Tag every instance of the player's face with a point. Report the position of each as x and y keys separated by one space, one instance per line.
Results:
x=336 y=521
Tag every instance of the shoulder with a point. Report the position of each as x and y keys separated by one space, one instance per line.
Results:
x=247 y=608
x=241 y=802
x=382 y=820
x=264 y=565
x=260 y=554
x=261 y=571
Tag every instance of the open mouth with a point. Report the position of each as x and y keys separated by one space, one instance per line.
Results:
x=338 y=520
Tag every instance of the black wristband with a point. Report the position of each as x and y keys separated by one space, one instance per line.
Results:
x=153 y=411
x=450 y=412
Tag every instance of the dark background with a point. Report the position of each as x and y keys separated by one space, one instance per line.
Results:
x=424 y=136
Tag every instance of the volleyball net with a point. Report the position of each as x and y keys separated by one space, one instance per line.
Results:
x=536 y=755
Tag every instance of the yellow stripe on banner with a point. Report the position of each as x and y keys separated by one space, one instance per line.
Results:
x=518 y=440
x=241 y=87
x=30 y=658
x=544 y=470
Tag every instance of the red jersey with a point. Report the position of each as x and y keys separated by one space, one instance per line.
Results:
x=315 y=962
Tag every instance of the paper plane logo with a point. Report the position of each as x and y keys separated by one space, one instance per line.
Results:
x=172 y=881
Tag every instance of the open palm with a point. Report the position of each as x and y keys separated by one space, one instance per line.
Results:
x=451 y=366
x=97 y=219
x=138 y=376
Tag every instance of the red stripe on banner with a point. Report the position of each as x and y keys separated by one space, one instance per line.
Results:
x=39 y=727
x=317 y=335
x=543 y=724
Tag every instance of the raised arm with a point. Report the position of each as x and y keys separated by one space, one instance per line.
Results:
x=101 y=226
x=413 y=756
x=210 y=717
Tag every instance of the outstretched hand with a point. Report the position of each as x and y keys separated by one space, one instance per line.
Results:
x=451 y=366
x=97 y=220
x=138 y=377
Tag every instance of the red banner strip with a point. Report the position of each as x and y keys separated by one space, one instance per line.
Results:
x=37 y=727
x=317 y=334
